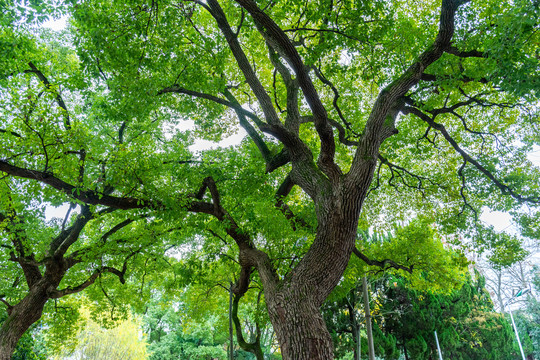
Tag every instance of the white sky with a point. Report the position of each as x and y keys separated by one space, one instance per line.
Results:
x=56 y=24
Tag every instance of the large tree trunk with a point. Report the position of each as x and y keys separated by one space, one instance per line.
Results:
x=294 y=306
x=300 y=328
x=20 y=318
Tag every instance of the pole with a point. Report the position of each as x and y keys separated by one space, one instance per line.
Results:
x=517 y=335
x=438 y=347
x=231 y=343
x=367 y=311
x=359 y=343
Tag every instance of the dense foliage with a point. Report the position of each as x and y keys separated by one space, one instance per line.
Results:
x=356 y=115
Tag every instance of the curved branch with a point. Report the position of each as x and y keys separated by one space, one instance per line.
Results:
x=48 y=85
x=464 y=79
x=56 y=294
x=8 y=305
x=291 y=86
x=383 y=264
x=335 y=31
x=255 y=137
x=235 y=106
x=284 y=190
x=462 y=192
x=254 y=347
x=9 y=132
x=249 y=256
x=418 y=178
x=327 y=82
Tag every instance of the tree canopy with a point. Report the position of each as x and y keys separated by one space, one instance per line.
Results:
x=357 y=115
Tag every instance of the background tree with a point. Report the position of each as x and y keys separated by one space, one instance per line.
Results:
x=465 y=321
x=429 y=101
x=122 y=341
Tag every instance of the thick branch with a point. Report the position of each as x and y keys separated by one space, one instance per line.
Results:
x=283 y=45
x=86 y=196
x=55 y=294
x=382 y=116
x=68 y=237
x=262 y=96
x=471 y=53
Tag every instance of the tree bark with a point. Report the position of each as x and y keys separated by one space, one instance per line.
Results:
x=299 y=327
x=20 y=318
x=294 y=305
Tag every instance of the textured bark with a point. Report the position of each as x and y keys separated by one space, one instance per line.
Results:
x=28 y=311
x=21 y=317
x=299 y=327
x=294 y=307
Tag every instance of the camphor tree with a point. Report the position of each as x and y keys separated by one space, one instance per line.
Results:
x=436 y=102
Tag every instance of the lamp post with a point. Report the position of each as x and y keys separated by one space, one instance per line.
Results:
x=519 y=293
x=438 y=346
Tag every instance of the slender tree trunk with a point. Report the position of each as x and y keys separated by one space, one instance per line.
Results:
x=20 y=318
x=371 y=347
x=253 y=347
x=499 y=290
x=405 y=350
x=358 y=352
